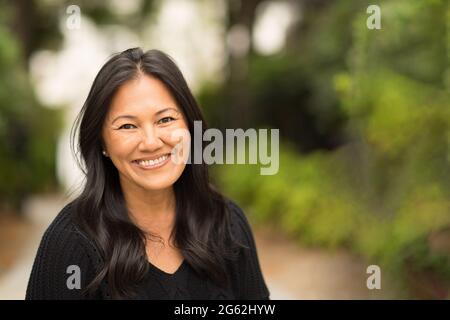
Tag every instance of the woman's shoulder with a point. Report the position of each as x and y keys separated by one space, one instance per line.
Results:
x=239 y=223
x=63 y=226
x=237 y=215
x=63 y=236
x=64 y=255
x=248 y=276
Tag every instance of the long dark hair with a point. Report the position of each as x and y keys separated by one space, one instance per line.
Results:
x=201 y=230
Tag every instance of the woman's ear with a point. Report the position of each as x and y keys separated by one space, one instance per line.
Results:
x=103 y=148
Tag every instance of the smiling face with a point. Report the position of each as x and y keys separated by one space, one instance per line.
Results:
x=138 y=134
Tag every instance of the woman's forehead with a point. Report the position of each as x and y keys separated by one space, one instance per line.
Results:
x=143 y=95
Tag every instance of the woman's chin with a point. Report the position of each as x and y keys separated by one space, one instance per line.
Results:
x=156 y=185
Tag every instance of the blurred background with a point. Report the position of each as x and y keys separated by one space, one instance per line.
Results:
x=363 y=114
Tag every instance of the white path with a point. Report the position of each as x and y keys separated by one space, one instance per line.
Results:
x=39 y=211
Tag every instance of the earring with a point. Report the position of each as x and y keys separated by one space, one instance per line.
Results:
x=104 y=153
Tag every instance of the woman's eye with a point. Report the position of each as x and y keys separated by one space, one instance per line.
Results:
x=166 y=120
x=127 y=126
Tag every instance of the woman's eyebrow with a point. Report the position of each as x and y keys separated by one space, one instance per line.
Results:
x=166 y=109
x=127 y=116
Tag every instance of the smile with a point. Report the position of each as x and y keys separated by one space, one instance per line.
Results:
x=153 y=164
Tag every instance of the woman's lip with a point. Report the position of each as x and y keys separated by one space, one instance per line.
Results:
x=155 y=166
x=146 y=159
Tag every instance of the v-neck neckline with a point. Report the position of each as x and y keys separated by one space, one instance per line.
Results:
x=164 y=273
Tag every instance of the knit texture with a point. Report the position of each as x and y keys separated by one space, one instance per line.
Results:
x=64 y=245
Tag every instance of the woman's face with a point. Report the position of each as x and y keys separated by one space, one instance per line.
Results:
x=138 y=134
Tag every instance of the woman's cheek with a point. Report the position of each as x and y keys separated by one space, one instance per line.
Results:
x=120 y=145
x=125 y=139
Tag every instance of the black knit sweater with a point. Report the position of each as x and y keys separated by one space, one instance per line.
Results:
x=64 y=245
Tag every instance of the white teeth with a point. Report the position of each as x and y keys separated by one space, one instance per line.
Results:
x=147 y=163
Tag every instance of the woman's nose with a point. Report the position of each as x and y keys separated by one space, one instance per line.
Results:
x=150 y=140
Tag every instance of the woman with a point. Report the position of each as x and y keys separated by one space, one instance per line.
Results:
x=145 y=226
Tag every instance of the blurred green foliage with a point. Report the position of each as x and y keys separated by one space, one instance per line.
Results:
x=28 y=132
x=385 y=190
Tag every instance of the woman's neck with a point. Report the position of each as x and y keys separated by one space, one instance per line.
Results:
x=151 y=210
